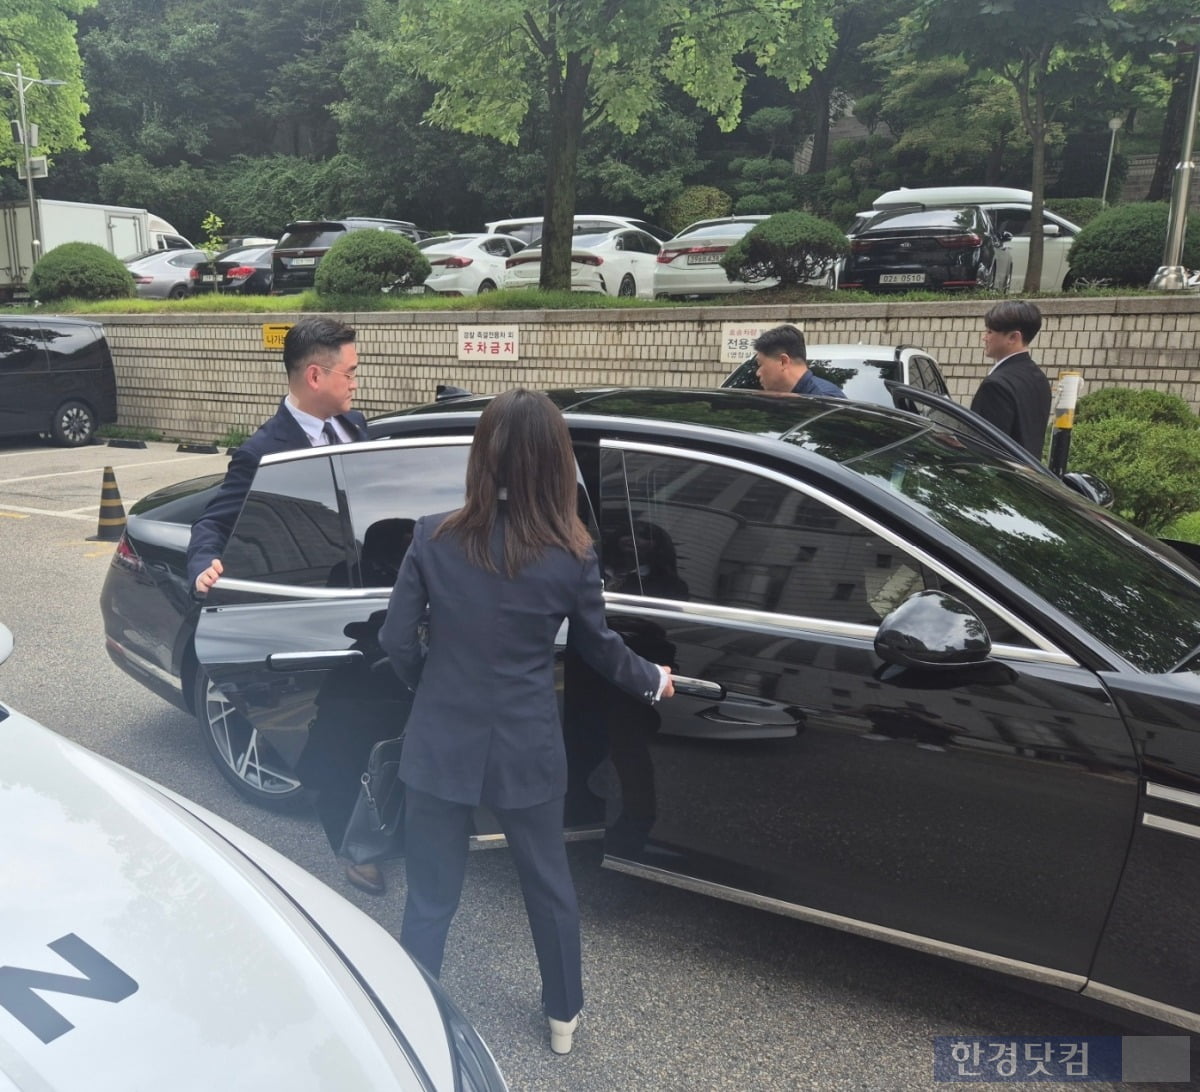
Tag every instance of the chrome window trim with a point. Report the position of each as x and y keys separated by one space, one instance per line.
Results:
x=1042 y=652
x=297 y=591
x=383 y=444
x=1171 y=826
x=1015 y=967
x=1175 y=796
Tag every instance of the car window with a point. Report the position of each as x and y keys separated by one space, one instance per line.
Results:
x=924 y=374
x=21 y=348
x=382 y=514
x=308 y=238
x=289 y=531
x=676 y=527
x=729 y=230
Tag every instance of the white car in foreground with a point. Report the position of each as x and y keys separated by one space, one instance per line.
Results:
x=147 y=943
x=617 y=263
x=466 y=265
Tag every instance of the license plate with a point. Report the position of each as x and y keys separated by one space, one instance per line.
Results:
x=303 y=261
x=211 y=278
x=901 y=278
x=712 y=258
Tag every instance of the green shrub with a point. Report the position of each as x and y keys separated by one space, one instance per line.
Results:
x=1124 y=245
x=1153 y=468
x=82 y=271
x=791 y=246
x=1079 y=210
x=1153 y=407
x=696 y=203
x=364 y=263
x=753 y=204
x=1185 y=528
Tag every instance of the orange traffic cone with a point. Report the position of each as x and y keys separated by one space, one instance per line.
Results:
x=112 y=511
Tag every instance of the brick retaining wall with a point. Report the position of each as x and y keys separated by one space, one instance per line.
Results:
x=195 y=377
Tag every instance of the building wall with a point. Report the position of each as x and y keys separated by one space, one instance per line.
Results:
x=196 y=377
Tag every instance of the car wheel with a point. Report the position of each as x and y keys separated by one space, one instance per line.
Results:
x=486 y=286
x=178 y=291
x=73 y=424
x=628 y=286
x=246 y=760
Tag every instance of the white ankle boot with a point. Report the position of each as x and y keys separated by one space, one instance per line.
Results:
x=562 y=1032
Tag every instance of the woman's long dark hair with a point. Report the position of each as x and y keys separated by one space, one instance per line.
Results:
x=522 y=446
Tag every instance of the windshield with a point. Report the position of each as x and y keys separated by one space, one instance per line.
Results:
x=1111 y=579
x=308 y=238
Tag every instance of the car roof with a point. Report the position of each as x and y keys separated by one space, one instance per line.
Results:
x=951 y=195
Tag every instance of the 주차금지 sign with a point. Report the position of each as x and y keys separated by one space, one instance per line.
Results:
x=488 y=343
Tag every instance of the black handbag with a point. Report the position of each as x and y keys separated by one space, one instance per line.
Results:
x=375 y=831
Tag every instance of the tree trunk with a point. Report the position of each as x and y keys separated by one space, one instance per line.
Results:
x=818 y=98
x=1035 y=119
x=568 y=99
x=1171 y=143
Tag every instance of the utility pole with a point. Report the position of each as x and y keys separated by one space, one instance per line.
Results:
x=20 y=81
x=1171 y=275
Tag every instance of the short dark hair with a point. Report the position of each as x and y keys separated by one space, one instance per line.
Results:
x=313 y=334
x=781 y=339
x=1009 y=315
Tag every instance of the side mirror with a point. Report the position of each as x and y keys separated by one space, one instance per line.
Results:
x=1006 y=236
x=1095 y=489
x=933 y=630
x=1049 y=230
x=445 y=392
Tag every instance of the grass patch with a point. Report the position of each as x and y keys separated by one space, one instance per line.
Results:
x=1185 y=528
x=233 y=437
x=127 y=432
x=528 y=299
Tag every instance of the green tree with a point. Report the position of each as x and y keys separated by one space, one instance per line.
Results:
x=40 y=36
x=1039 y=47
x=610 y=60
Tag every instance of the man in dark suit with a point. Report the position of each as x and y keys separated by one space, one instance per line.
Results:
x=1015 y=396
x=783 y=364
x=322 y=365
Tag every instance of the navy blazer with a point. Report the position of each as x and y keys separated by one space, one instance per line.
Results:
x=484 y=725
x=1015 y=397
x=282 y=432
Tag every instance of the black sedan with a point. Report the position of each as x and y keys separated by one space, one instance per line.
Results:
x=935 y=248
x=244 y=270
x=935 y=697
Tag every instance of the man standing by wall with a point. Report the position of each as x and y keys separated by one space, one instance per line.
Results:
x=322 y=365
x=1015 y=395
x=783 y=366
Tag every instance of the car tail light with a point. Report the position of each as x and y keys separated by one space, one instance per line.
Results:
x=454 y=263
x=126 y=557
x=143 y=280
x=512 y=263
x=241 y=271
x=194 y=273
x=959 y=242
x=863 y=246
x=587 y=259
x=668 y=256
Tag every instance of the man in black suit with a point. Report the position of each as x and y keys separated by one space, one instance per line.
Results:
x=322 y=365
x=1015 y=396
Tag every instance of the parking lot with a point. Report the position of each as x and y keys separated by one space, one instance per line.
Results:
x=683 y=992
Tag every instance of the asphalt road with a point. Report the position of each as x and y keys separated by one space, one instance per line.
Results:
x=683 y=992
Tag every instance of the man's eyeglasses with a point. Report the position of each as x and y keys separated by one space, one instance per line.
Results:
x=351 y=374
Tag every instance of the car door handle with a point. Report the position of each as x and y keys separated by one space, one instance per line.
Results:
x=698 y=688
x=313 y=661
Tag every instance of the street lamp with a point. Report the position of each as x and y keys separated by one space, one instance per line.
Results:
x=1114 y=124
x=1171 y=275
x=20 y=81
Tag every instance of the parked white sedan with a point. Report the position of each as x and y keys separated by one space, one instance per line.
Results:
x=465 y=265
x=147 y=943
x=617 y=263
x=690 y=263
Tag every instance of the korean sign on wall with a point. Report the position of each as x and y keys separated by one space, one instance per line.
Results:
x=488 y=343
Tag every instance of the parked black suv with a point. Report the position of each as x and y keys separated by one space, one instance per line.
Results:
x=920 y=247
x=305 y=242
x=56 y=377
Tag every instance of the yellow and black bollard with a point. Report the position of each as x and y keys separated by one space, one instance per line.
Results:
x=112 y=511
x=1065 y=397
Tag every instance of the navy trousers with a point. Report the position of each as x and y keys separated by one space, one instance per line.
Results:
x=436 y=840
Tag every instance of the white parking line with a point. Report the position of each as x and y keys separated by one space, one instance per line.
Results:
x=88 y=470
x=10 y=509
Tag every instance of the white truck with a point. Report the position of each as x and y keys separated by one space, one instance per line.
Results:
x=122 y=231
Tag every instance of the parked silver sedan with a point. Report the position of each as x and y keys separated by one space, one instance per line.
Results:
x=164 y=274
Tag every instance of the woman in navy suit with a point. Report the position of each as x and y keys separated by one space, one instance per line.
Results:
x=499 y=575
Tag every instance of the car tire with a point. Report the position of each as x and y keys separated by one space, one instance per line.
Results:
x=178 y=292
x=73 y=424
x=248 y=763
x=486 y=286
x=628 y=286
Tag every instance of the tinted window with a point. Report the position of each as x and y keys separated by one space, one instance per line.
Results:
x=388 y=492
x=310 y=237
x=962 y=219
x=20 y=348
x=1111 y=579
x=71 y=347
x=289 y=531
x=715 y=231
